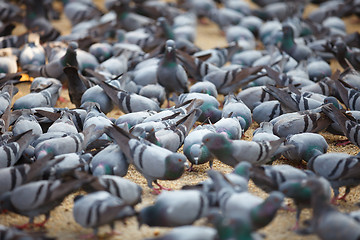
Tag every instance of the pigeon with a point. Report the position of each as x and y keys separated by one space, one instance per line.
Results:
x=132 y=119
x=76 y=85
x=251 y=206
x=99 y=208
x=127 y=102
x=40 y=197
x=54 y=69
x=172 y=138
x=229 y=126
x=26 y=121
x=340 y=169
x=264 y=133
x=301 y=195
x=14 y=233
x=64 y=124
x=204 y=87
x=348 y=96
x=252 y=96
x=155 y=92
x=67 y=144
x=189 y=233
x=170 y=74
x=347 y=124
x=175 y=208
x=152 y=161
x=17 y=175
x=307 y=146
x=297 y=51
x=300 y=122
x=270 y=178
x=234 y=107
x=44 y=98
x=122 y=188
x=14 y=148
x=266 y=111
x=232 y=80
x=102 y=51
x=32 y=53
x=196 y=152
x=230 y=152
x=6 y=95
x=109 y=161
x=98 y=95
x=209 y=107
x=328 y=223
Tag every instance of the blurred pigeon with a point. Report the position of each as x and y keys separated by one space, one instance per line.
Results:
x=127 y=102
x=6 y=95
x=109 y=161
x=76 y=85
x=307 y=146
x=234 y=107
x=230 y=152
x=13 y=149
x=40 y=197
x=99 y=208
x=122 y=188
x=176 y=208
x=266 y=111
x=340 y=169
x=63 y=124
x=328 y=223
x=264 y=133
x=229 y=126
x=204 y=87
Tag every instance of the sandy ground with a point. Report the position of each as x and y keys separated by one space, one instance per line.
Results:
x=62 y=225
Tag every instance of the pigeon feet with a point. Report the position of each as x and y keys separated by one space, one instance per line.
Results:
x=343 y=142
x=63 y=100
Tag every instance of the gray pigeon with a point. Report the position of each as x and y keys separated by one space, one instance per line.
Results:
x=40 y=197
x=170 y=74
x=269 y=178
x=109 y=161
x=229 y=126
x=152 y=161
x=234 y=107
x=176 y=208
x=307 y=146
x=122 y=188
x=54 y=69
x=6 y=96
x=67 y=144
x=231 y=152
x=340 y=169
x=264 y=133
x=12 y=150
x=44 y=98
x=266 y=111
x=194 y=150
x=99 y=208
x=328 y=223
x=347 y=124
x=127 y=102
x=98 y=95
x=64 y=124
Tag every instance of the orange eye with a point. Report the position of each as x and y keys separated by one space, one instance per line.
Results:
x=180 y=160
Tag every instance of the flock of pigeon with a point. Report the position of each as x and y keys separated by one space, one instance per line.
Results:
x=140 y=57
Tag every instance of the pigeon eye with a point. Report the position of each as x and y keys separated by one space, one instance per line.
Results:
x=180 y=160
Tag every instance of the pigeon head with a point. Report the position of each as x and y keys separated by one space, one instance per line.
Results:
x=243 y=169
x=216 y=142
x=175 y=166
x=150 y=215
x=103 y=169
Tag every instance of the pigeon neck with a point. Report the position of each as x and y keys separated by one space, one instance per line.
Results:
x=288 y=41
x=170 y=58
x=312 y=152
x=263 y=214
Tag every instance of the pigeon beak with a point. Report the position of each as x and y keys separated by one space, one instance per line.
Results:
x=196 y=160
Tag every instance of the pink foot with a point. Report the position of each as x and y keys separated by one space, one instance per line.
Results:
x=343 y=142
